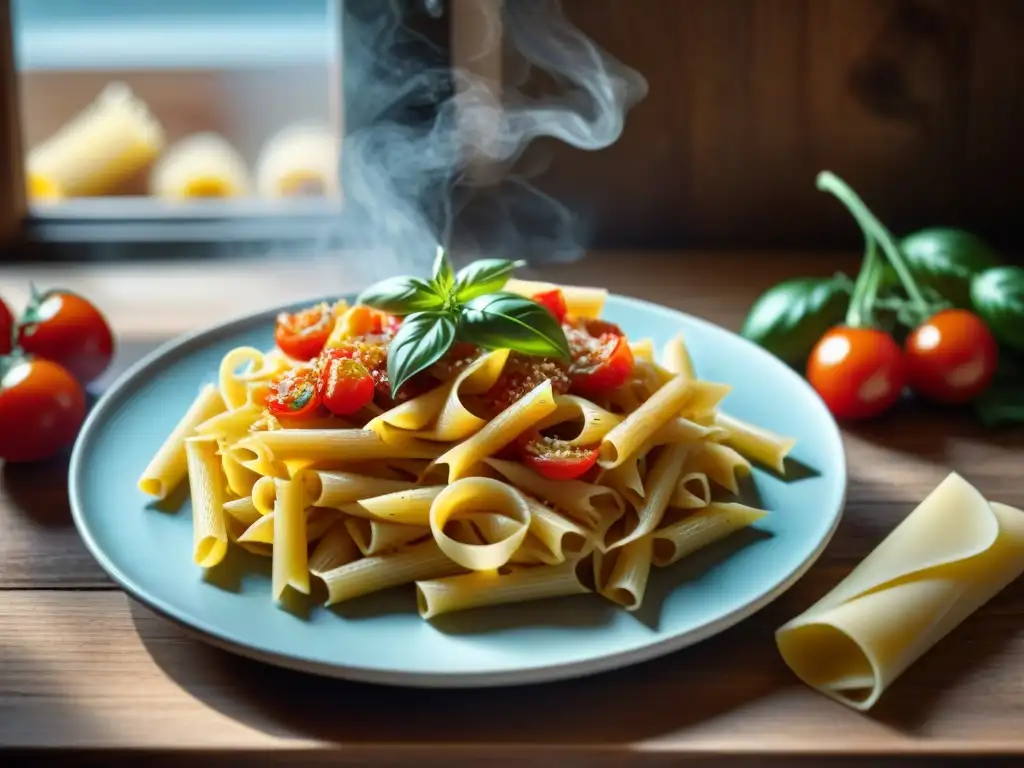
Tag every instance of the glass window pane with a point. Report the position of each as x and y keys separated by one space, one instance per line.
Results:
x=149 y=107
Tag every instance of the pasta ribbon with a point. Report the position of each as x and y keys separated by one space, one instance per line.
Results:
x=470 y=498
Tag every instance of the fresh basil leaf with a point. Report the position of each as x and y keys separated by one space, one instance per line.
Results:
x=444 y=274
x=421 y=341
x=505 y=320
x=946 y=259
x=484 y=276
x=998 y=296
x=402 y=296
x=789 y=318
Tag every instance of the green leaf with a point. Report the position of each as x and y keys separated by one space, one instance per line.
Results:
x=483 y=276
x=789 y=318
x=421 y=341
x=998 y=296
x=444 y=274
x=946 y=259
x=402 y=296
x=505 y=320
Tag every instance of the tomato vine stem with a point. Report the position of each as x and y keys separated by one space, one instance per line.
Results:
x=876 y=232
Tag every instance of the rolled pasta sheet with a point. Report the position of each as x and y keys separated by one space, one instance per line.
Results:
x=207 y=486
x=264 y=494
x=477 y=590
x=693 y=491
x=414 y=414
x=594 y=422
x=168 y=467
x=626 y=478
x=334 y=550
x=721 y=464
x=676 y=359
x=235 y=372
x=410 y=507
x=700 y=529
x=563 y=537
x=300 y=160
x=374 y=537
x=476 y=498
x=756 y=443
x=99 y=149
x=947 y=558
x=290 y=561
x=660 y=486
x=580 y=301
x=621 y=574
x=469 y=455
x=202 y=165
x=336 y=489
x=456 y=421
x=639 y=426
x=595 y=506
x=379 y=572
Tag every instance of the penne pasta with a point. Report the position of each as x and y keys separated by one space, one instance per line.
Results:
x=476 y=590
x=621 y=574
x=628 y=436
x=700 y=529
x=482 y=481
x=207 y=486
x=168 y=466
x=589 y=504
x=374 y=537
x=290 y=568
x=468 y=455
x=756 y=443
x=379 y=572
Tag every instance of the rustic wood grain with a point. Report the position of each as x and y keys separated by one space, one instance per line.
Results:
x=917 y=103
x=83 y=666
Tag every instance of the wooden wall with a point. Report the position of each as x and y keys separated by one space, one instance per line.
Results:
x=918 y=103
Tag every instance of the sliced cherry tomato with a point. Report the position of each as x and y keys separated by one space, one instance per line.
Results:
x=601 y=358
x=302 y=335
x=41 y=408
x=555 y=459
x=858 y=372
x=952 y=357
x=6 y=324
x=69 y=330
x=295 y=394
x=345 y=384
x=554 y=302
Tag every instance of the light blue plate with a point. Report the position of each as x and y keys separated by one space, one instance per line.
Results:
x=381 y=638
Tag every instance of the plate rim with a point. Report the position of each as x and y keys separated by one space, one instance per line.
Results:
x=548 y=672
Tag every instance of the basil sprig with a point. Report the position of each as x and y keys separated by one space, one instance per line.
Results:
x=469 y=306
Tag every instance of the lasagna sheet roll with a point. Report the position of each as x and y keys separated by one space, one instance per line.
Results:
x=474 y=497
x=168 y=466
x=946 y=559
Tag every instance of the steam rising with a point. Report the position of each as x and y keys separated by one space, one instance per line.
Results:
x=405 y=161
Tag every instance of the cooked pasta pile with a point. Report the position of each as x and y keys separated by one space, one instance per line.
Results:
x=437 y=491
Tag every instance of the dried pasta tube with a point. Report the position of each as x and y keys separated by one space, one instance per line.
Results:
x=299 y=161
x=96 y=151
x=198 y=166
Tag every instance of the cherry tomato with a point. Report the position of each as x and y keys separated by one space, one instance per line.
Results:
x=295 y=394
x=302 y=335
x=555 y=459
x=601 y=358
x=858 y=372
x=6 y=324
x=554 y=302
x=345 y=384
x=41 y=408
x=69 y=330
x=366 y=321
x=952 y=357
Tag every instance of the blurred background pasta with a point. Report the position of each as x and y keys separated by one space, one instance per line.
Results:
x=202 y=165
x=299 y=161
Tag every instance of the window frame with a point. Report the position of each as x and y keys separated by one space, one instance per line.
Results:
x=107 y=228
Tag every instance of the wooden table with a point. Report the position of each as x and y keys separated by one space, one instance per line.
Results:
x=83 y=666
